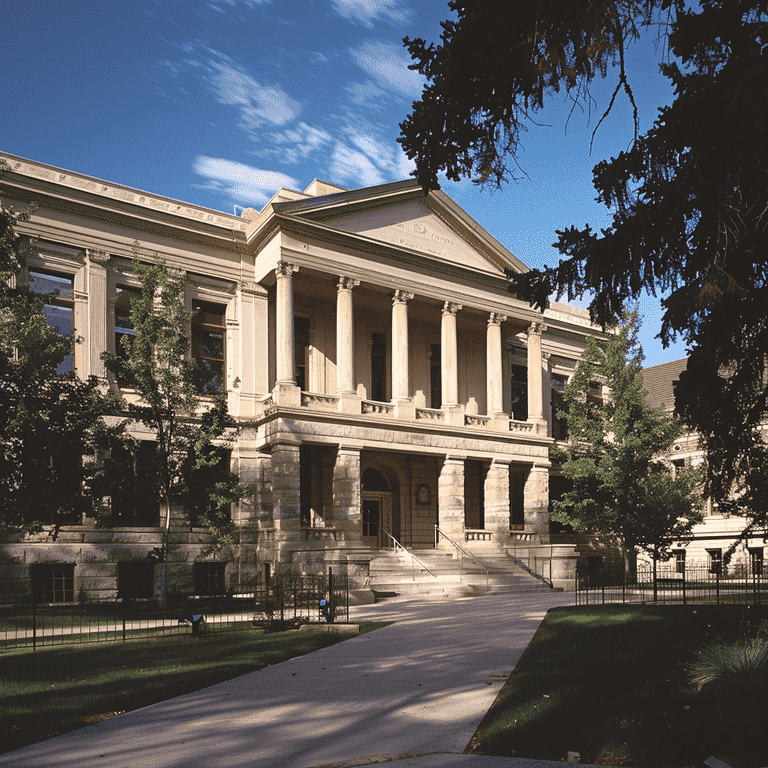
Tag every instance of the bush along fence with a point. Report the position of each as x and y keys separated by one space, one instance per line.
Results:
x=669 y=583
x=277 y=602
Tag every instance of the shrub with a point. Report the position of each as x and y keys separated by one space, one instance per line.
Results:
x=741 y=665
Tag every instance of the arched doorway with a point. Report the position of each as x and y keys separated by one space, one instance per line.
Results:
x=377 y=508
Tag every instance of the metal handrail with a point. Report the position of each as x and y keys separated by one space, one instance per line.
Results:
x=461 y=549
x=397 y=544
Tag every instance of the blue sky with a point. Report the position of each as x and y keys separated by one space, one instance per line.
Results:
x=221 y=103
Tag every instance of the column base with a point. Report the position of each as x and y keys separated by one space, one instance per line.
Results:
x=405 y=410
x=350 y=402
x=454 y=415
x=286 y=395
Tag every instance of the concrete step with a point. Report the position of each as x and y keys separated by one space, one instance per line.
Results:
x=396 y=573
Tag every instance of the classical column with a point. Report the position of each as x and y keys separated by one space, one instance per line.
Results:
x=450 y=498
x=97 y=311
x=493 y=366
x=535 y=383
x=345 y=336
x=401 y=387
x=449 y=355
x=286 y=489
x=286 y=373
x=347 y=510
x=497 y=500
x=536 y=501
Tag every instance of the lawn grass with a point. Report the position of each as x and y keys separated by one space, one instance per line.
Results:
x=610 y=682
x=60 y=689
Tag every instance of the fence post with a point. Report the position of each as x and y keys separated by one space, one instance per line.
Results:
x=331 y=601
x=684 y=584
x=655 y=581
x=34 y=623
x=124 y=611
x=717 y=584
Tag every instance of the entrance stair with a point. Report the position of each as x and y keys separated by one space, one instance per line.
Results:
x=440 y=574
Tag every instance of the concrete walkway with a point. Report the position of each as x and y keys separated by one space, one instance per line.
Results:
x=413 y=692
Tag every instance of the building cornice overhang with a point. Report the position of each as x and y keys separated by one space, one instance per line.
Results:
x=318 y=232
x=62 y=190
x=440 y=204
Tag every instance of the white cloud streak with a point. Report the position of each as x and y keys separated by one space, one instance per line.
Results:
x=387 y=65
x=366 y=12
x=244 y=184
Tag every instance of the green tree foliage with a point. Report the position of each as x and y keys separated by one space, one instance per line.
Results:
x=47 y=420
x=689 y=200
x=621 y=487
x=191 y=433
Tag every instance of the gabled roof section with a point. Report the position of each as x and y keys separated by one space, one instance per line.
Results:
x=659 y=381
x=401 y=214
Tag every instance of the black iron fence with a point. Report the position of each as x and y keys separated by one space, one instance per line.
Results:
x=275 y=603
x=669 y=583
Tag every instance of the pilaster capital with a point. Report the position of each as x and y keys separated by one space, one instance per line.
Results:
x=97 y=257
x=285 y=269
x=545 y=357
x=536 y=329
x=250 y=287
x=401 y=297
x=347 y=283
x=496 y=319
x=450 y=308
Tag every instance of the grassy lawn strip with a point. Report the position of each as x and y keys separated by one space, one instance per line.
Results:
x=610 y=682
x=60 y=689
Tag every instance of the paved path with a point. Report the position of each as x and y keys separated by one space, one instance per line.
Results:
x=418 y=687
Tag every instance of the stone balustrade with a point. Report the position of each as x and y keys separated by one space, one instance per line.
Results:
x=320 y=534
x=477 y=535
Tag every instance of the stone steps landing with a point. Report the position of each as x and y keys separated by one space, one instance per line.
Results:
x=396 y=573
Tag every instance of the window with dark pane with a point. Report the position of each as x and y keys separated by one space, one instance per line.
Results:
x=53 y=582
x=209 y=578
x=379 y=367
x=559 y=425
x=135 y=487
x=59 y=308
x=208 y=334
x=123 y=323
x=519 y=390
x=136 y=580
x=301 y=351
x=435 y=377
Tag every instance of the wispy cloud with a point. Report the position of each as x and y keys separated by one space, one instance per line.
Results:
x=367 y=94
x=366 y=12
x=387 y=65
x=297 y=143
x=242 y=183
x=258 y=104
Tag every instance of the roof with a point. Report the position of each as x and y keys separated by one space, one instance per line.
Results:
x=659 y=382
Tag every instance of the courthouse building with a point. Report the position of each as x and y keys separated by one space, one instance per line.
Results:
x=384 y=379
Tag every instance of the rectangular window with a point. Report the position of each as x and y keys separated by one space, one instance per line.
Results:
x=209 y=578
x=559 y=425
x=208 y=335
x=519 y=389
x=379 y=367
x=135 y=495
x=301 y=352
x=53 y=582
x=136 y=580
x=679 y=560
x=435 y=377
x=123 y=323
x=715 y=560
x=59 y=310
x=756 y=561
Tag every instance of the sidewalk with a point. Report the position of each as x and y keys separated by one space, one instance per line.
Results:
x=413 y=692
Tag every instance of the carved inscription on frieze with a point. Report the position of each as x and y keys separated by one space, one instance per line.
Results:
x=423 y=238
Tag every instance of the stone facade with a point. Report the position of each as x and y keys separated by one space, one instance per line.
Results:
x=384 y=379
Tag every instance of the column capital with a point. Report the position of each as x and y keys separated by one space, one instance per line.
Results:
x=451 y=308
x=347 y=283
x=401 y=297
x=536 y=329
x=545 y=357
x=496 y=319
x=97 y=257
x=285 y=269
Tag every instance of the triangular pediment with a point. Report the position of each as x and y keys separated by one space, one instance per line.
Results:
x=432 y=225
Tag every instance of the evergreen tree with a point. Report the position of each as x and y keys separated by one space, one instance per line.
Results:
x=191 y=434
x=688 y=197
x=621 y=487
x=48 y=420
